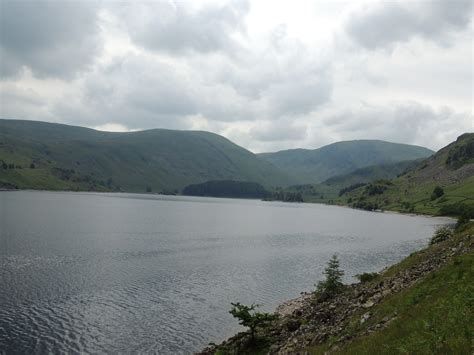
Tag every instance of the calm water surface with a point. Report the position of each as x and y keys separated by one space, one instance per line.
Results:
x=84 y=272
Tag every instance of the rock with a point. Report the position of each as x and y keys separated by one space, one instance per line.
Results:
x=273 y=349
x=377 y=297
x=368 y=304
x=364 y=318
x=293 y=325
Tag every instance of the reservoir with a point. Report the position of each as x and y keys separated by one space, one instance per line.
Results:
x=94 y=273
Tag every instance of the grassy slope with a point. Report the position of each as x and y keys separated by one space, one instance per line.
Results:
x=164 y=160
x=435 y=316
x=312 y=166
x=412 y=191
x=329 y=189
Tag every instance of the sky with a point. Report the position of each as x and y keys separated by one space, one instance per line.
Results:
x=268 y=75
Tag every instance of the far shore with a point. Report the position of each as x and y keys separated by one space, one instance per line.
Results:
x=236 y=198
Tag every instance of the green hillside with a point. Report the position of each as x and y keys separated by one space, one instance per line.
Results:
x=41 y=155
x=434 y=316
x=331 y=188
x=312 y=166
x=441 y=184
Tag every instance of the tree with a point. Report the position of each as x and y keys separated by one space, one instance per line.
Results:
x=248 y=317
x=332 y=285
x=437 y=192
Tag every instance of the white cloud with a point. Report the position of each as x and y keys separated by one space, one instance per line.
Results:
x=269 y=75
x=50 y=38
x=112 y=127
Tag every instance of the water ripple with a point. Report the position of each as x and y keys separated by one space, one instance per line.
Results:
x=89 y=273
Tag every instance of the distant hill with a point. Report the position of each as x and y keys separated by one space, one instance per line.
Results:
x=331 y=188
x=373 y=172
x=441 y=184
x=312 y=166
x=43 y=155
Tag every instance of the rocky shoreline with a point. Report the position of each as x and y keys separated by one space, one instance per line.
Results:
x=306 y=321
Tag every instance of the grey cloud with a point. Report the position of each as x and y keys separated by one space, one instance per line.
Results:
x=155 y=92
x=284 y=77
x=51 y=38
x=389 y=22
x=17 y=102
x=407 y=122
x=172 y=27
x=279 y=131
x=300 y=94
x=139 y=92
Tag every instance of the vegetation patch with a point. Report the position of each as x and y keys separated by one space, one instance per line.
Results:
x=227 y=188
x=441 y=235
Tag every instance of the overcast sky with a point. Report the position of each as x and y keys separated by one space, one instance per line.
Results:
x=269 y=75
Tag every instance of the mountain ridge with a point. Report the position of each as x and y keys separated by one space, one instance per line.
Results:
x=157 y=160
x=317 y=165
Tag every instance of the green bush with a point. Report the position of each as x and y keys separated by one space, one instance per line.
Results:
x=441 y=234
x=248 y=317
x=463 y=219
x=367 y=276
x=457 y=209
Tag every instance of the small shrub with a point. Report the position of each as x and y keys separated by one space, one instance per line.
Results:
x=367 y=276
x=248 y=317
x=463 y=219
x=441 y=234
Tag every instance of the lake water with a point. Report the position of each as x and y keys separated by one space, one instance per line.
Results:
x=85 y=272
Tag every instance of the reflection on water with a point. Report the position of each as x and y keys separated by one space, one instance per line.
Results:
x=125 y=273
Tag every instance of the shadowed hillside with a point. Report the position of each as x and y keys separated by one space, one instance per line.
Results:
x=312 y=166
